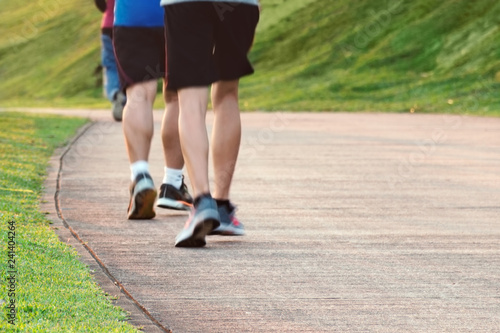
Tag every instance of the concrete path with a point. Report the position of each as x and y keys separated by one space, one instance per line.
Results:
x=355 y=223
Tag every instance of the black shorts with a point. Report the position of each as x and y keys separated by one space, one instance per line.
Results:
x=140 y=54
x=208 y=42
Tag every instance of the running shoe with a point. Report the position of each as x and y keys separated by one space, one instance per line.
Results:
x=172 y=198
x=118 y=104
x=203 y=218
x=142 y=198
x=229 y=224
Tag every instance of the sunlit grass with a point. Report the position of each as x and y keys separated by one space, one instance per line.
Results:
x=54 y=290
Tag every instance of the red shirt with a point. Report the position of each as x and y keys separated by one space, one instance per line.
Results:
x=108 y=17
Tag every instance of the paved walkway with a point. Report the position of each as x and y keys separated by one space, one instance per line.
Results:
x=355 y=222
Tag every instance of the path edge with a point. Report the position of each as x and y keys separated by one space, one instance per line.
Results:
x=138 y=317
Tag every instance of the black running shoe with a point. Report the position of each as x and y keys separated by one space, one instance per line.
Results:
x=172 y=198
x=142 y=198
x=203 y=218
x=229 y=224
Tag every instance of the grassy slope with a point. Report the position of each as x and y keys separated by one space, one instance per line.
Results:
x=425 y=55
x=54 y=291
x=48 y=51
x=433 y=56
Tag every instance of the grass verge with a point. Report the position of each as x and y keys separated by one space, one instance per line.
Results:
x=54 y=291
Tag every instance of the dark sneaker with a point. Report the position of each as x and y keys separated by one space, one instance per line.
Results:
x=229 y=224
x=203 y=218
x=172 y=198
x=118 y=104
x=142 y=198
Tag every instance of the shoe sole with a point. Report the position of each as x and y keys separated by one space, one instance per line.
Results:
x=142 y=205
x=173 y=204
x=207 y=223
x=229 y=231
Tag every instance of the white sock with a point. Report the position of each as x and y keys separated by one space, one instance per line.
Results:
x=173 y=177
x=139 y=167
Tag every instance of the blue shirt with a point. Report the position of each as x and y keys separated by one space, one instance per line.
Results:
x=138 y=13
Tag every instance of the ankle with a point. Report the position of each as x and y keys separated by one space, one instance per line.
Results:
x=223 y=203
x=196 y=200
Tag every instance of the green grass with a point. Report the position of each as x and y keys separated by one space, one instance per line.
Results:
x=401 y=55
x=55 y=291
x=429 y=56
x=48 y=53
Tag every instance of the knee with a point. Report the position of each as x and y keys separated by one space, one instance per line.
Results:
x=143 y=92
x=223 y=90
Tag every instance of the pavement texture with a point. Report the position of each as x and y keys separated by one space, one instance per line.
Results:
x=355 y=223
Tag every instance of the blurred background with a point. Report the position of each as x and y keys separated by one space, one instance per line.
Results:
x=424 y=56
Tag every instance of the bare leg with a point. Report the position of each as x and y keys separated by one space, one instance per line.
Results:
x=170 y=131
x=193 y=136
x=226 y=135
x=138 y=120
x=138 y=130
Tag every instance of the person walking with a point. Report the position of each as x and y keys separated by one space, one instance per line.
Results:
x=139 y=43
x=207 y=44
x=111 y=81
